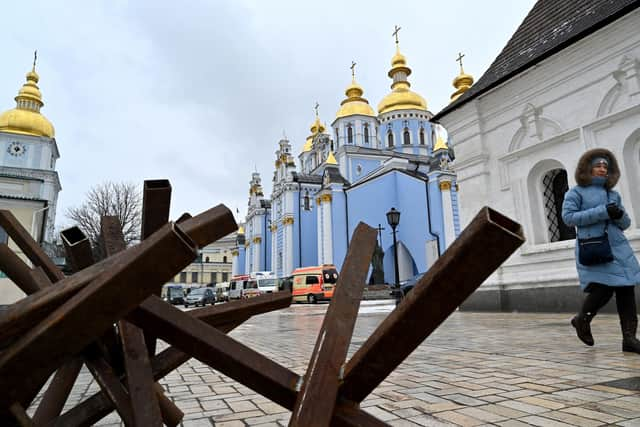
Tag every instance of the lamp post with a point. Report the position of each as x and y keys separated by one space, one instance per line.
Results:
x=393 y=218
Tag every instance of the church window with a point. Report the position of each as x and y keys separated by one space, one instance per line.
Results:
x=555 y=185
x=390 y=139
x=206 y=259
x=366 y=133
x=421 y=136
x=307 y=203
x=337 y=136
x=350 y=134
x=224 y=259
x=406 y=140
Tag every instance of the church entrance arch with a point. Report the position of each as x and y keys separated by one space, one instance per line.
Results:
x=407 y=267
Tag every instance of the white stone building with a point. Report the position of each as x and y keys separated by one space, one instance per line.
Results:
x=568 y=80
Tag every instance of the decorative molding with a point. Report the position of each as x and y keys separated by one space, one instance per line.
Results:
x=326 y=197
x=257 y=239
x=235 y=252
x=445 y=185
x=288 y=220
x=273 y=227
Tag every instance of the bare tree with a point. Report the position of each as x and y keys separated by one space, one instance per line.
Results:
x=122 y=200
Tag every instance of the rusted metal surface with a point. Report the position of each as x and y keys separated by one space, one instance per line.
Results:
x=56 y=394
x=78 y=248
x=156 y=201
x=20 y=415
x=30 y=247
x=479 y=250
x=17 y=270
x=199 y=227
x=108 y=298
x=316 y=400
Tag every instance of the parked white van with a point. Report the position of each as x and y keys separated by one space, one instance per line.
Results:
x=265 y=281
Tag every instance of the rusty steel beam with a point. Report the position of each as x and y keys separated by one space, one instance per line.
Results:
x=58 y=391
x=479 y=250
x=30 y=247
x=316 y=400
x=20 y=415
x=26 y=313
x=17 y=270
x=156 y=202
x=78 y=248
x=146 y=399
x=109 y=297
x=110 y=384
x=216 y=349
x=349 y=414
x=199 y=227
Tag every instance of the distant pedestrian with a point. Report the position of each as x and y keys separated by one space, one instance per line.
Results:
x=605 y=261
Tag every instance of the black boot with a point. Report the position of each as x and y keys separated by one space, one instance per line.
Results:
x=629 y=341
x=581 y=322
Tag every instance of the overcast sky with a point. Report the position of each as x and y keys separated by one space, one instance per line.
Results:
x=200 y=92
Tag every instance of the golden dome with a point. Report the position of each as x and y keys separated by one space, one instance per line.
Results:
x=462 y=83
x=331 y=159
x=26 y=119
x=401 y=97
x=241 y=230
x=308 y=145
x=317 y=127
x=354 y=103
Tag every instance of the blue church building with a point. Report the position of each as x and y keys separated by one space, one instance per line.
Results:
x=357 y=170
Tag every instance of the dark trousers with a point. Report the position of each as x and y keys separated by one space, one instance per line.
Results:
x=599 y=295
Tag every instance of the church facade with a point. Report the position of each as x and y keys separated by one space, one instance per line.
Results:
x=29 y=183
x=520 y=130
x=357 y=169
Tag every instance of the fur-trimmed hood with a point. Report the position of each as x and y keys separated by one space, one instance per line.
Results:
x=583 y=170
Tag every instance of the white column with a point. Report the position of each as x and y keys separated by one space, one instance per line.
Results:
x=327 y=257
x=447 y=211
x=319 y=232
x=288 y=251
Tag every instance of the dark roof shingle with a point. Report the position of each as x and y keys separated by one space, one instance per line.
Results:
x=550 y=26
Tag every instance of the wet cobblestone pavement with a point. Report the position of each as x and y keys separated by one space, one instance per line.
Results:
x=478 y=369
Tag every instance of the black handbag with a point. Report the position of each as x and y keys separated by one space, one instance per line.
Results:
x=595 y=250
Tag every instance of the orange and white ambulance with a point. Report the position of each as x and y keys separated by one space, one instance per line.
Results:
x=313 y=284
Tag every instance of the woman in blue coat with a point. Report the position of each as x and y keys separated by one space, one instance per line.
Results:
x=593 y=207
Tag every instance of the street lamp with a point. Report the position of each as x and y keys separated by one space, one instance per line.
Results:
x=393 y=218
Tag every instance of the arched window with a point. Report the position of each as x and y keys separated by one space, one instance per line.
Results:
x=421 y=136
x=307 y=204
x=555 y=185
x=366 y=133
x=349 y=134
x=390 y=139
x=206 y=259
x=224 y=258
x=337 y=138
x=406 y=139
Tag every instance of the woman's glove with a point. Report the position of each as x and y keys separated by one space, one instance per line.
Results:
x=614 y=211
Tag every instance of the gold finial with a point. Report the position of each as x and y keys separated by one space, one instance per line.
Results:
x=459 y=60
x=35 y=59
x=353 y=70
x=316 y=108
x=395 y=32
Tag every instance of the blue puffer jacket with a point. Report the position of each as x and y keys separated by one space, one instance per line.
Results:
x=585 y=208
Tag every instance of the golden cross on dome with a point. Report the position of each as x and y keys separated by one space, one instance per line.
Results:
x=35 y=58
x=353 y=69
x=459 y=59
x=395 y=32
x=316 y=108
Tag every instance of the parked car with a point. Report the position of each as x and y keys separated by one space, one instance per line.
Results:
x=200 y=296
x=407 y=285
x=173 y=294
